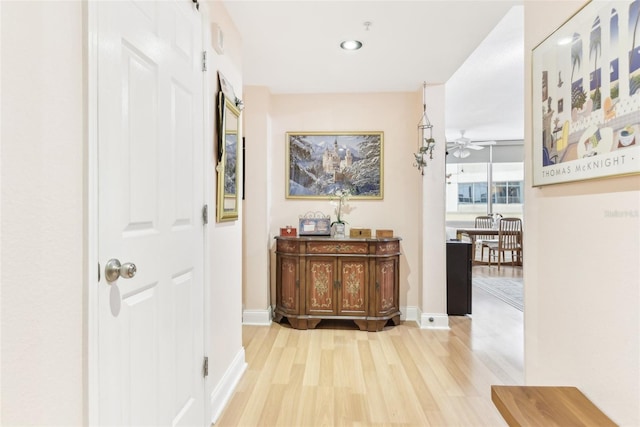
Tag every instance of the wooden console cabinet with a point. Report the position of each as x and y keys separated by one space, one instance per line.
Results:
x=326 y=278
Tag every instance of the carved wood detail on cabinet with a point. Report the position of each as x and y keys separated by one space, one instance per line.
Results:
x=354 y=280
x=321 y=282
x=326 y=278
x=386 y=276
x=288 y=274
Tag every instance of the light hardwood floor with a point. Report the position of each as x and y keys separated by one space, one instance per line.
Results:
x=337 y=375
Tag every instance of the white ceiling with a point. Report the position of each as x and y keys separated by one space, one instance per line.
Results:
x=293 y=47
x=485 y=96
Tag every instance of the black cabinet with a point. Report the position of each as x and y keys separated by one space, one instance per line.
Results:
x=459 y=277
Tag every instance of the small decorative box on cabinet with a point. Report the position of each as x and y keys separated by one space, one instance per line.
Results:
x=326 y=278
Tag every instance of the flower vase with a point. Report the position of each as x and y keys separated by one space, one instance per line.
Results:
x=337 y=230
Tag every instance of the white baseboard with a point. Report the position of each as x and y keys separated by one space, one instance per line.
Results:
x=257 y=317
x=221 y=395
x=410 y=313
x=434 y=321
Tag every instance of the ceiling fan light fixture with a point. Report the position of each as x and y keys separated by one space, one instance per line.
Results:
x=351 y=44
x=461 y=153
x=461 y=147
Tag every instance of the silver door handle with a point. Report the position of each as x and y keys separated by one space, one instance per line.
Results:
x=113 y=270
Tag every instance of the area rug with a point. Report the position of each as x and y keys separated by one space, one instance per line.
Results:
x=508 y=290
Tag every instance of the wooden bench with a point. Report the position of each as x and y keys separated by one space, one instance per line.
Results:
x=547 y=406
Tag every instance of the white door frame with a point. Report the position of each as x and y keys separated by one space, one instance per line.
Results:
x=207 y=157
x=91 y=212
x=92 y=271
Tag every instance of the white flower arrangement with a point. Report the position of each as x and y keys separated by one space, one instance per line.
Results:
x=339 y=200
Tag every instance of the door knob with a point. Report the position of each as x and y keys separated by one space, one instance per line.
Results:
x=114 y=269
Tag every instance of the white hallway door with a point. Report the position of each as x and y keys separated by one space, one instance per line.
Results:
x=150 y=196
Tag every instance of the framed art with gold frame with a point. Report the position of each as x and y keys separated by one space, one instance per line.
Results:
x=320 y=163
x=228 y=152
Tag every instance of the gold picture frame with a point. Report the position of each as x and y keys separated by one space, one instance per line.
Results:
x=229 y=136
x=320 y=163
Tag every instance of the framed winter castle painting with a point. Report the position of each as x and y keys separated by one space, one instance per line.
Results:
x=320 y=163
x=586 y=96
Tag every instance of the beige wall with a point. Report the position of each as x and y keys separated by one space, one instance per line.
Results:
x=582 y=270
x=396 y=114
x=43 y=341
x=256 y=233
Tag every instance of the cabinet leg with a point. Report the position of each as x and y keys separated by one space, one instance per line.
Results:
x=362 y=324
x=297 y=323
x=377 y=325
x=312 y=323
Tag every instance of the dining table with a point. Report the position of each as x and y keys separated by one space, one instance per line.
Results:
x=473 y=233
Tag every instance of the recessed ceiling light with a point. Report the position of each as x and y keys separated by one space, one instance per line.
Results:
x=563 y=41
x=351 y=45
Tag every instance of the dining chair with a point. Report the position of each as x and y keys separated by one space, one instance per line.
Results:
x=483 y=222
x=509 y=240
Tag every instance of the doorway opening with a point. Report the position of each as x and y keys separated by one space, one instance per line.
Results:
x=488 y=182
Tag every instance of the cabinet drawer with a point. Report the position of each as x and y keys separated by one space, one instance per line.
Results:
x=337 y=248
x=288 y=246
x=388 y=248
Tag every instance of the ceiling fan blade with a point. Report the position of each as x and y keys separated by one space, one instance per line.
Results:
x=485 y=142
x=475 y=147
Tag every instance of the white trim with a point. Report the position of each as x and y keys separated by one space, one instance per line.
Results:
x=207 y=199
x=434 y=321
x=257 y=317
x=410 y=313
x=227 y=385
x=1 y=205
x=90 y=190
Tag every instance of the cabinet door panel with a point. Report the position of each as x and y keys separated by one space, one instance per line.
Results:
x=320 y=280
x=386 y=277
x=354 y=285
x=288 y=297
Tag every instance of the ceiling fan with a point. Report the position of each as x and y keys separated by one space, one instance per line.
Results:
x=461 y=147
